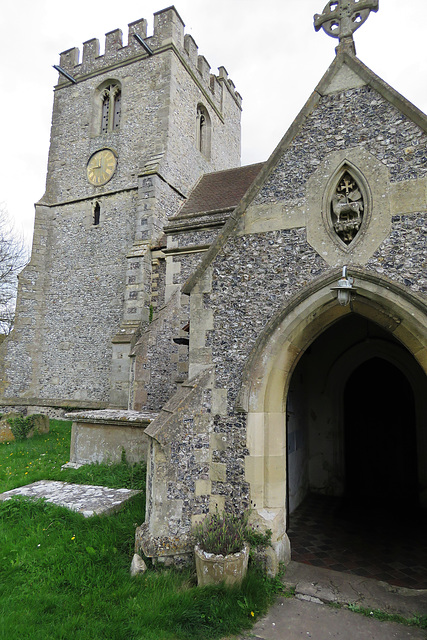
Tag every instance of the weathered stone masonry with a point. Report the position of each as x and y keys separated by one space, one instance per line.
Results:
x=402 y=256
x=253 y=277
x=85 y=298
x=345 y=120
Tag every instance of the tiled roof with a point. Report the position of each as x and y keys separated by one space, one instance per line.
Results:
x=220 y=190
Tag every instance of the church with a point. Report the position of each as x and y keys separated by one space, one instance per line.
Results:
x=257 y=333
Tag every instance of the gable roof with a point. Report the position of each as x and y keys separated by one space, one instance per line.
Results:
x=345 y=72
x=220 y=191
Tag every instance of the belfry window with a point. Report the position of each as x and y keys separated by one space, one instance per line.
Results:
x=111 y=108
x=203 y=133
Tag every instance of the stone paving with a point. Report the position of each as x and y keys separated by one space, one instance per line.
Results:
x=308 y=616
x=363 y=540
x=89 y=500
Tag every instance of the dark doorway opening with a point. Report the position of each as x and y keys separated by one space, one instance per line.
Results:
x=380 y=437
x=356 y=445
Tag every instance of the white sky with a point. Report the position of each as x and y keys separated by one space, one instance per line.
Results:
x=270 y=50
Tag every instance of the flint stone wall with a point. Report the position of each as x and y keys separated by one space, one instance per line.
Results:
x=194 y=238
x=402 y=257
x=255 y=275
x=159 y=362
x=75 y=307
x=183 y=167
x=346 y=120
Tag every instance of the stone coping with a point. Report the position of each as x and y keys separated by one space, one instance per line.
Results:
x=114 y=417
x=89 y=500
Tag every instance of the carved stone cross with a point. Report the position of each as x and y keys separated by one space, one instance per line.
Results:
x=341 y=18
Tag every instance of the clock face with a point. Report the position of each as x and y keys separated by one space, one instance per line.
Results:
x=101 y=167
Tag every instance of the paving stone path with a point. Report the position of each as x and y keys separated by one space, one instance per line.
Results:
x=88 y=500
x=308 y=616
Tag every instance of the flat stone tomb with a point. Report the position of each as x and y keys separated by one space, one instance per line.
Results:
x=89 y=500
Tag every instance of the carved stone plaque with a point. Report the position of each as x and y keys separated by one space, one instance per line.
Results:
x=347 y=208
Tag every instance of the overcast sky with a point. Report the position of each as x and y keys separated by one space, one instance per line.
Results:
x=270 y=50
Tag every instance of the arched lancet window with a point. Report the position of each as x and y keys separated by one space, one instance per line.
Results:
x=203 y=131
x=348 y=206
x=111 y=97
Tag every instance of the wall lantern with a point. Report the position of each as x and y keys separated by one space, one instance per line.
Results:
x=346 y=291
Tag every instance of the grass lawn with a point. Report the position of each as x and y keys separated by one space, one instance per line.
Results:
x=63 y=576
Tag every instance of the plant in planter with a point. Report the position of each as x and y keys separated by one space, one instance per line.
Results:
x=221 y=549
x=22 y=427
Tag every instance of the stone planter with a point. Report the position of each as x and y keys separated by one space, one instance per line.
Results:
x=212 y=569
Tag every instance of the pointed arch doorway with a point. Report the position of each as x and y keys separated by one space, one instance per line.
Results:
x=293 y=392
x=354 y=417
x=351 y=416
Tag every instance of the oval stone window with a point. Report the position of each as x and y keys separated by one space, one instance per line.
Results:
x=347 y=208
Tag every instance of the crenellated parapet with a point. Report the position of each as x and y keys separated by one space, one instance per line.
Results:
x=168 y=33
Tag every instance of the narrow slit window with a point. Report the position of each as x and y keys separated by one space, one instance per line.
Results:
x=203 y=131
x=96 y=214
x=117 y=109
x=105 y=113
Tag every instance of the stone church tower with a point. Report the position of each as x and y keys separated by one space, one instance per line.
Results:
x=133 y=130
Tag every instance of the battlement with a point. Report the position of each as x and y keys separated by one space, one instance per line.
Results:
x=168 y=32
